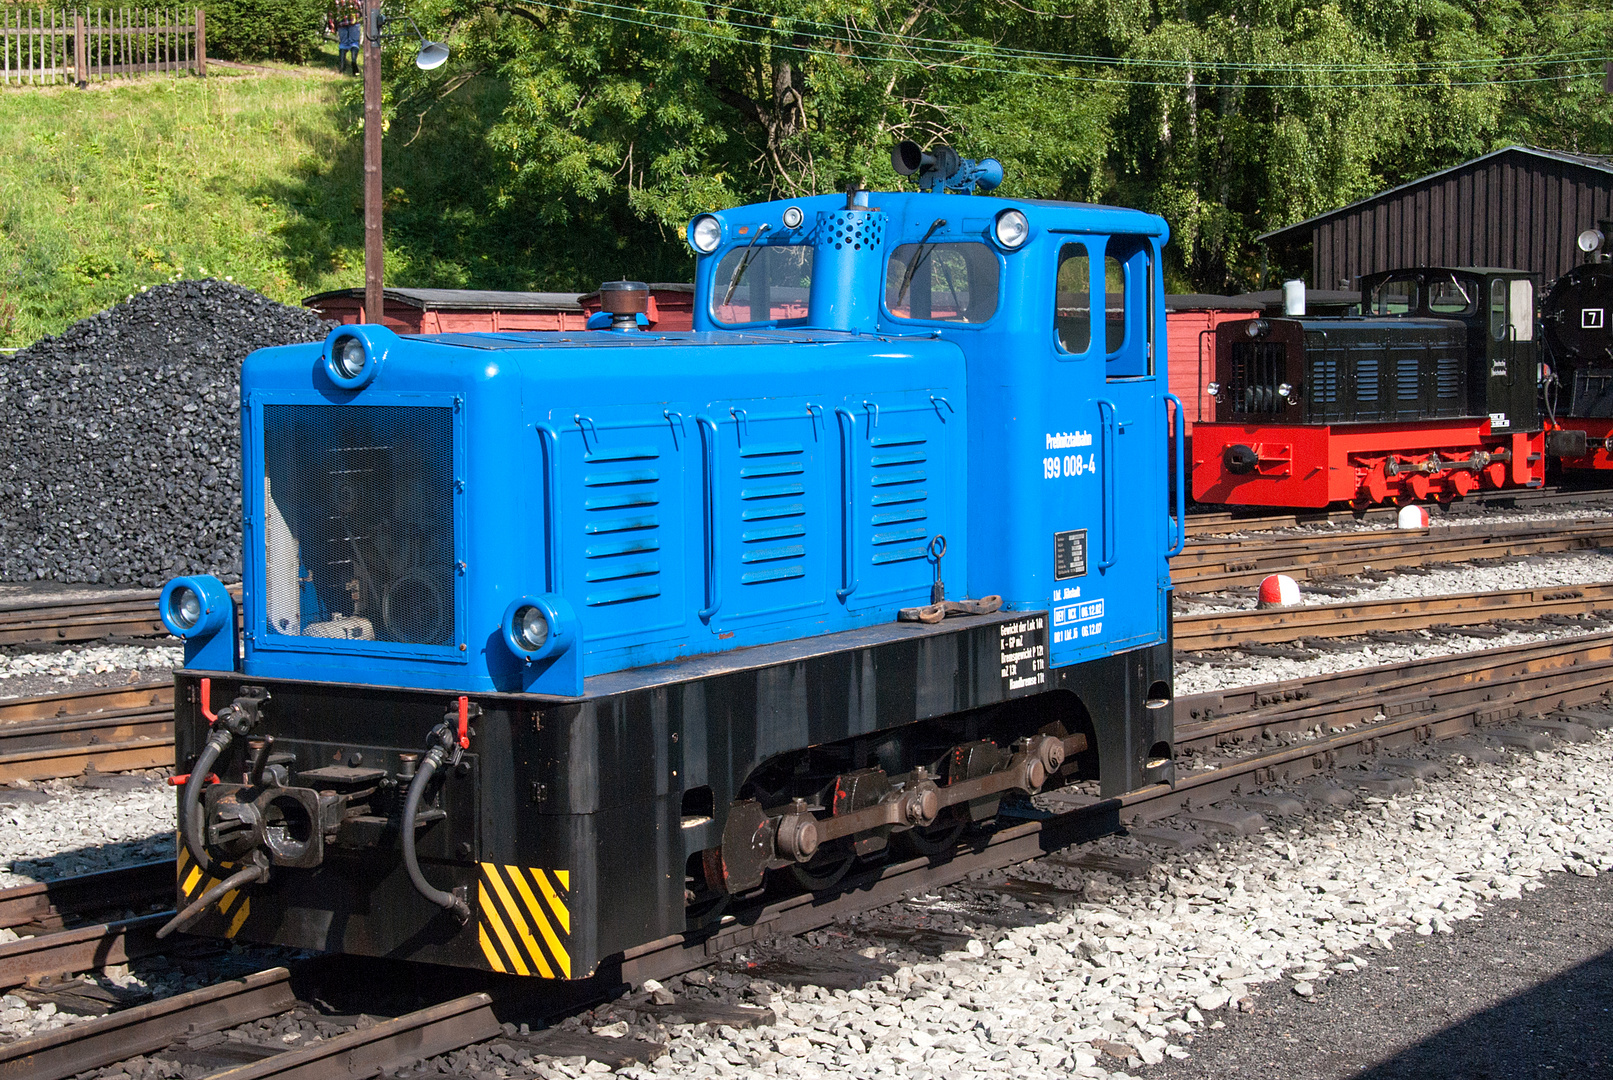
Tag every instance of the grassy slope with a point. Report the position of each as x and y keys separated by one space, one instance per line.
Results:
x=105 y=190
x=258 y=178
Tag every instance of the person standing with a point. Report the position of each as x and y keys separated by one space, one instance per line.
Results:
x=346 y=15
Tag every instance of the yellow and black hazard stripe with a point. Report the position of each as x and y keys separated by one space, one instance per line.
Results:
x=524 y=920
x=235 y=906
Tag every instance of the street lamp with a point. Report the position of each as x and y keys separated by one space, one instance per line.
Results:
x=432 y=55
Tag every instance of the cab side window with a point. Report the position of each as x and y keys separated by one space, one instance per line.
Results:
x=1072 y=299
x=1498 y=309
x=1128 y=307
x=1522 y=291
x=1397 y=296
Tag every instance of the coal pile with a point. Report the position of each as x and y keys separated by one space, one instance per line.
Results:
x=123 y=452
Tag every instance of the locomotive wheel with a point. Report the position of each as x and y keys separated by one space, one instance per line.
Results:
x=824 y=871
x=938 y=838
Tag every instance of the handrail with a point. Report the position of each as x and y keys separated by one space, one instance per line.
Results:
x=1179 y=461
x=551 y=506
x=1106 y=426
x=848 y=507
x=708 y=440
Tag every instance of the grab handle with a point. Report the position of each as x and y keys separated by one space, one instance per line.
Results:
x=1108 y=422
x=1178 y=437
x=708 y=441
x=551 y=507
x=848 y=504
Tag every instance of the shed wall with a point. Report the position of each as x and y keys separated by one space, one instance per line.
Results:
x=1514 y=210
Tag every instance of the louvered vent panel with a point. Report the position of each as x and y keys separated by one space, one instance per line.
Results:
x=1366 y=379
x=621 y=526
x=772 y=496
x=900 y=499
x=1406 y=379
x=1323 y=381
x=1448 y=378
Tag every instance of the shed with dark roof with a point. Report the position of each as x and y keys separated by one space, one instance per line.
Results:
x=1520 y=207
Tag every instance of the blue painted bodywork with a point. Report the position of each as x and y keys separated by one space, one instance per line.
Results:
x=685 y=493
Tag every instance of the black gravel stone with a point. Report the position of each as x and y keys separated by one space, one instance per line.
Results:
x=1525 y=992
x=124 y=460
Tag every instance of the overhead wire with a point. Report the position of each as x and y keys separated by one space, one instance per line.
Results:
x=846 y=33
x=605 y=9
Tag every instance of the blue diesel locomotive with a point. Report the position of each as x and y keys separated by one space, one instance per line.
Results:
x=552 y=644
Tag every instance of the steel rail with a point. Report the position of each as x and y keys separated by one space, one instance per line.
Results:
x=69 y=621
x=425 y=1033
x=49 y=904
x=1229 y=629
x=1083 y=817
x=1383 y=708
x=1430 y=672
x=81 y=702
x=83 y=948
x=93 y=1044
x=1214 y=567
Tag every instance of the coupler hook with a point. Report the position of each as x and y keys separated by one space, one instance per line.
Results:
x=233 y=721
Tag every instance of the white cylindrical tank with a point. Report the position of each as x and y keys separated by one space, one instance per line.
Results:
x=1294 y=297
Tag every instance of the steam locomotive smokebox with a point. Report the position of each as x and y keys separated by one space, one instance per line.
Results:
x=1566 y=444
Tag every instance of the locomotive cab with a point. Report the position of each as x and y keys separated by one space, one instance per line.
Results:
x=1429 y=393
x=1579 y=345
x=555 y=644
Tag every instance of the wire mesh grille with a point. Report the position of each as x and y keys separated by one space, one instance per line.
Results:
x=359 y=522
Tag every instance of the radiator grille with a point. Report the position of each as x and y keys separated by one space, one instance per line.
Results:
x=900 y=498
x=621 y=524
x=1322 y=384
x=359 y=522
x=772 y=496
x=1366 y=379
x=1406 y=378
x=1448 y=378
x=1258 y=369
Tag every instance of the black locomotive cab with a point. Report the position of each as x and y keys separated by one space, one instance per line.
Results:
x=1496 y=310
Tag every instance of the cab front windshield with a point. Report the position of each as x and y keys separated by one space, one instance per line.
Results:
x=762 y=283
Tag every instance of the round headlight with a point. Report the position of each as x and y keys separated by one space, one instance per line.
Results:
x=1590 y=240
x=185 y=607
x=350 y=357
x=531 y=628
x=706 y=234
x=1011 y=229
x=792 y=217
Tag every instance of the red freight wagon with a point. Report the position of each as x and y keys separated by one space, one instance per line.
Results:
x=439 y=311
x=1190 y=322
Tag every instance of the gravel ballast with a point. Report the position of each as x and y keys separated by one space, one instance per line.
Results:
x=74 y=830
x=124 y=460
x=1529 y=572
x=1135 y=973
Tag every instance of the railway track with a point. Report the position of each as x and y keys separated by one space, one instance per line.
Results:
x=1204 y=521
x=103 y=730
x=64 y=925
x=1271 y=626
x=1214 y=566
x=66 y=622
x=1231 y=743
x=1360 y=724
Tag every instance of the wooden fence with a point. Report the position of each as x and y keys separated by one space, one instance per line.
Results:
x=39 y=46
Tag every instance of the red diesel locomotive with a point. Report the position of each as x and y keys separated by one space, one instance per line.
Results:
x=1430 y=394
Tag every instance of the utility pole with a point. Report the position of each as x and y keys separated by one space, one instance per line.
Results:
x=374 y=301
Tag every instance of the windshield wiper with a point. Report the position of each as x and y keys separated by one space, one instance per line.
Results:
x=1466 y=299
x=918 y=257
x=744 y=264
